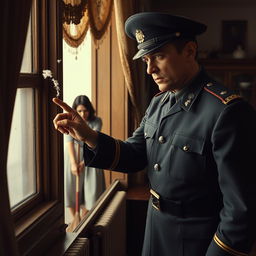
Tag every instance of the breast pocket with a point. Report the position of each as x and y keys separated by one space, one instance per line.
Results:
x=187 y=161
x=149 y=134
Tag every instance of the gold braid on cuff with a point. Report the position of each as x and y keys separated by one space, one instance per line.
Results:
x=227 y=248
x=117 y=156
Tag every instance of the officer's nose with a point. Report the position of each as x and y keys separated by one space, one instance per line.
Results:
x=151 y=67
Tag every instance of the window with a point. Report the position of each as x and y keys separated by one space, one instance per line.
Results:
x=21 y=167
x=21 y=164
x=35 y=153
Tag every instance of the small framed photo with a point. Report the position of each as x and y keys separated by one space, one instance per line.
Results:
x=234 y=35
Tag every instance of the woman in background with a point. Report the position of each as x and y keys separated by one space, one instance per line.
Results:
x=91 y=182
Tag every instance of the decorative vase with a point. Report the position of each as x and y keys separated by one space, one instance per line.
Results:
x=239 y=53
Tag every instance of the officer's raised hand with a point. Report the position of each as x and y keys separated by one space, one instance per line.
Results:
x=71 y=123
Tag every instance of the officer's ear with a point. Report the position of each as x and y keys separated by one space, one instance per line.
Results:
x=190 y=50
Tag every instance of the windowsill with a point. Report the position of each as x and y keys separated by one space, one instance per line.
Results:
x=33 y=217
x=138 y=193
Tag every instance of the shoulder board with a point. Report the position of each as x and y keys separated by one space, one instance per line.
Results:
x=159 y=93
x=224 y=94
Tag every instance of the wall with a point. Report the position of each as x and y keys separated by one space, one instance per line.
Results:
x=212 y=13
x=109 y=92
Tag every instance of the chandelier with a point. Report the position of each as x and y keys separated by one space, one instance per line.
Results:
x=79 y=15
x=73 y=11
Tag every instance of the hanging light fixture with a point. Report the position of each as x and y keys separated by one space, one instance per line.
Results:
x=75 y=23
x=73 y=11
x=79 y=15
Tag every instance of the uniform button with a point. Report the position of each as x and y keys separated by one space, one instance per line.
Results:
x=187 y=102
x=185 y=148
x=145 y=134
x=161 y=139
x=209 y=84
x=157 y=167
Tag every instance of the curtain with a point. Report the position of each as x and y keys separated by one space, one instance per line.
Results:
x=134 y=71
x=99 y=12
x=14 y=22
x=96 y=15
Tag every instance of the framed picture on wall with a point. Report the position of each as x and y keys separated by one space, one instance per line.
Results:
x=234 y=35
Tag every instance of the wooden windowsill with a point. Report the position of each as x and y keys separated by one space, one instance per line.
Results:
x=138 y=193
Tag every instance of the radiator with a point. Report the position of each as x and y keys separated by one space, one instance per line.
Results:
x=80 y=247
x=109 y=231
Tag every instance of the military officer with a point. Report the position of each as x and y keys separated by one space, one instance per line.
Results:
x=197 y=139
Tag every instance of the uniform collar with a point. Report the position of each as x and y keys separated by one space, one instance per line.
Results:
x=178 y=95
x=186 y=96
x=191 y=91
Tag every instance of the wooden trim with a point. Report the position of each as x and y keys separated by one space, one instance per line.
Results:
x=35 y=31
x=94 y=75
x=138 y=193
x=29 y=81
x=229 y=64
x=31 y=218
x=37 y=228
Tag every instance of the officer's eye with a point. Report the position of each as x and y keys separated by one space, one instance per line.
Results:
x=159 y=56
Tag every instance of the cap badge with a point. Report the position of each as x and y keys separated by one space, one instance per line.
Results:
x=139 y=36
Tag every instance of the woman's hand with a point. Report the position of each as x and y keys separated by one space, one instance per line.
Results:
x=72 y=123
x=75 y=169
x=81 y=167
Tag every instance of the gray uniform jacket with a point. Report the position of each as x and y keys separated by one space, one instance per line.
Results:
x=200 y=162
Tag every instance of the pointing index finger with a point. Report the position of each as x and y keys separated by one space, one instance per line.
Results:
x=62 y=104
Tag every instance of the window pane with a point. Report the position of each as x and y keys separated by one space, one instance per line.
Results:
x=21 y=167
x=26 y=66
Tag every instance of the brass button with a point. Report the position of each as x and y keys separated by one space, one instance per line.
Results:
x=209 y=84
x=223 y=92
x=161 y=139
x=145 y=134
x=186 y=148
x=187 y=102
x=157 y=167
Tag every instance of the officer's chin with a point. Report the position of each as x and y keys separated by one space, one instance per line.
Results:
x=164 y=87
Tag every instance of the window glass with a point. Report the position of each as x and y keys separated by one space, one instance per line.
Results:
x=27 y=61
x=21 y=167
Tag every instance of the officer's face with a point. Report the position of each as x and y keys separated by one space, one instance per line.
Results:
x=171 y=69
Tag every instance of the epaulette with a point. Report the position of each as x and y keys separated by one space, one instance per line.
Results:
x=226 y=96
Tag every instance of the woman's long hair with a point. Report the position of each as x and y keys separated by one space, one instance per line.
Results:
x=84 y=100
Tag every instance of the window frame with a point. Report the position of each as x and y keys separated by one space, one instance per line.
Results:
x=37 y=220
